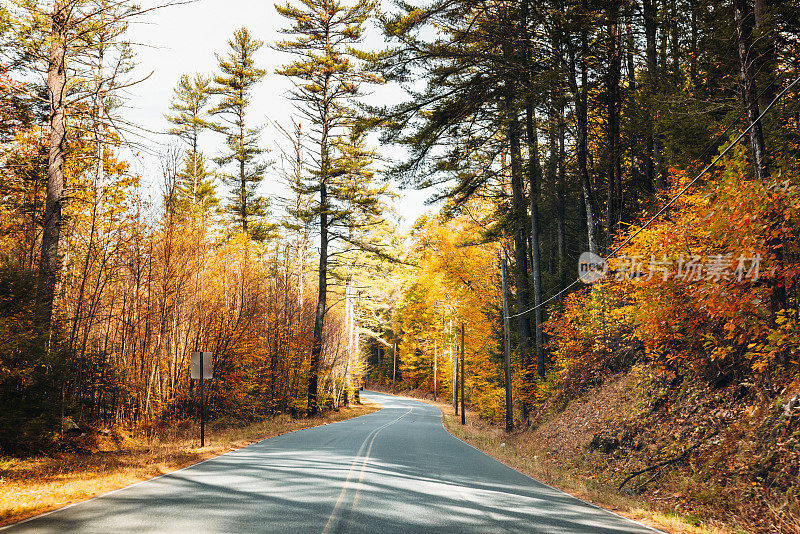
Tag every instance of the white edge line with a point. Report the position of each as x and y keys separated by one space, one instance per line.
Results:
x=628 y=519
x=129 y=486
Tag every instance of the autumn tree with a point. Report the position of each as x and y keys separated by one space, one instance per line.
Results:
x=468 y=129
x=80 y=50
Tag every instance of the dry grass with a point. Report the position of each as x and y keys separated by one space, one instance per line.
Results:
x=32 y=486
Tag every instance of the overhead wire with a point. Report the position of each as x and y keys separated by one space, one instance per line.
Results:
x=672 y=200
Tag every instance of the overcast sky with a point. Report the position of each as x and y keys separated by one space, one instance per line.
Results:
x=183 y=39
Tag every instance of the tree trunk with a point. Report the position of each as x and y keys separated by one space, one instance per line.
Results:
x=744 y=19
x=561 y=196
x=613 y=207
x=534 y=176
x=582 y=120
x=656 y=163
x=319 y=317
x=51 y=233
x=242 y=175
x=520 y=231
x=520 y=219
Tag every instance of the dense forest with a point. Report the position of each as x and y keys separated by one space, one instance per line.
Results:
x=106 y=292
x=660 y=135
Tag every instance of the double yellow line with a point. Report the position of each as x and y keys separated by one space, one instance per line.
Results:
x=362 y=457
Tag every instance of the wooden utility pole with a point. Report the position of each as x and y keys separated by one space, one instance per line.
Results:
x=348 y=306
x=394 y=365
x=455 y=367
x=202 y=404
x=507 y=354
x=434 y=370
x=463 y=410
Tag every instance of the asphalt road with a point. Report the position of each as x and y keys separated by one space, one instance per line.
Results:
x=393 y=471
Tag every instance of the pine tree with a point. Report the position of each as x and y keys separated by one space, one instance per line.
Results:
x=194 y=181
x=327 y=71
x=239 y=75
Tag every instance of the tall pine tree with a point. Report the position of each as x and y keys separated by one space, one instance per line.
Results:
x=194 y=181
x=327 y=72
x=238 y=76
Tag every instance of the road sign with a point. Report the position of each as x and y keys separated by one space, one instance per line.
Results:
x=204 y=361
x=208 y=365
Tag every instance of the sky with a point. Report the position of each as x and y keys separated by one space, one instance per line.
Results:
x=183 y=39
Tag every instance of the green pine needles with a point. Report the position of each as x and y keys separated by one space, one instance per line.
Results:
x=195 y=182
x=234 y=84
x=328 y=70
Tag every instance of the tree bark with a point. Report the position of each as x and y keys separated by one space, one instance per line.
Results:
x=744 y=26
x=582 y=120
x=520 y=234
x=319 y=317
x=242 y=158
x=534 y=177
x=656 y=163
x=613 y=198
x=561 y=196
x=49 y=263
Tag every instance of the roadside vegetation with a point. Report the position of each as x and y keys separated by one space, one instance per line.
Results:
x=107 y=289
x=632 y=130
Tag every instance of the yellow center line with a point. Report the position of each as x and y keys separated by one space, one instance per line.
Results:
x=363 y=457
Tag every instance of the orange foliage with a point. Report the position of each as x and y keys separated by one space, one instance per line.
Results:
x=716 y=321
x=456 y=280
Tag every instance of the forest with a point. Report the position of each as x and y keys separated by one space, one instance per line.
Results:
x=662 y=136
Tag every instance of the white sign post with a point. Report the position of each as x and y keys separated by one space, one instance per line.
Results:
x=202 y=361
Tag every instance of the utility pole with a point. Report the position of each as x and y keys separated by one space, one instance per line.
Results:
x=463 y=410
x=202 y=404
x=394 y=365
x=348 y=306
x=453 y=354
x=434 y=370
x=507 y=354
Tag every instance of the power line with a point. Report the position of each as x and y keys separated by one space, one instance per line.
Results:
x=673 y=199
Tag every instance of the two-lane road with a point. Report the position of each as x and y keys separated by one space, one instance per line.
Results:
x=396 y=470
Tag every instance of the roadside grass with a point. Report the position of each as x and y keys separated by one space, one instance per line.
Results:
x=35 y=485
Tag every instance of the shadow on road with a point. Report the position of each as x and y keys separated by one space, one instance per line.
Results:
x=395 y=470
